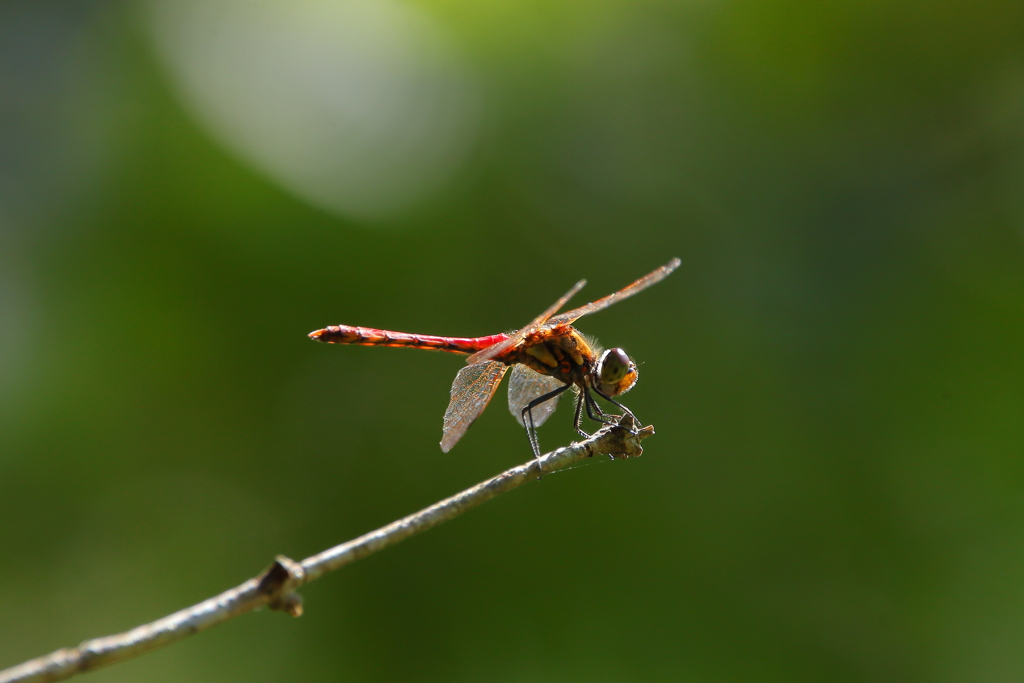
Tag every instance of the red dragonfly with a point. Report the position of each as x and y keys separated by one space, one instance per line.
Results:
x=547 y=357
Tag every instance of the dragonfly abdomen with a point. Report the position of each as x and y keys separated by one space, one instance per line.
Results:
x=369 y=336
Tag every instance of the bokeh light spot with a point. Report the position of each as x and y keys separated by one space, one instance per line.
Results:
x=361 y=108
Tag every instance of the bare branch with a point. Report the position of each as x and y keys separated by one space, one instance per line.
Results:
x=276 y=586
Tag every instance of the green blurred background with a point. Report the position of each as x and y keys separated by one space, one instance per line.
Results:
x=836 y=489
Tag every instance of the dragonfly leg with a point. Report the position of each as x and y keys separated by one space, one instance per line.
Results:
x=594 y=411
x=626 y=410
x=531 y=429
x=579 y=416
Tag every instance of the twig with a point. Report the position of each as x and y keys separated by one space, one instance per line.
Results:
x=276 y=586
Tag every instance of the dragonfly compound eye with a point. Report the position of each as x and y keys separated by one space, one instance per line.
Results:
x=616 y=373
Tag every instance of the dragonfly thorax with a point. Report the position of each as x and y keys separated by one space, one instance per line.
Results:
x=615 y=372
x=564 y=353
x=560 y=352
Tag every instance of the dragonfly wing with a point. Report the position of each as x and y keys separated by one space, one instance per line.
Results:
x=472 y=390
x=643 y=283
x=524 y=385
x=493 y=351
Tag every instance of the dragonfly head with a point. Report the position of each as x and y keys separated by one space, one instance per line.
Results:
x=615 y=373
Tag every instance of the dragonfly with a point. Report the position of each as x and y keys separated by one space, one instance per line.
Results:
x=547 y=357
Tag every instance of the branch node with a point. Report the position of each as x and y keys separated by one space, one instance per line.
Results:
x=622 y=440
x=279 y=581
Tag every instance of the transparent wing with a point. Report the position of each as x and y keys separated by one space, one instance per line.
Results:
x=524 y=385
x=641 y=284
x=472 y=390
x=492 y=351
